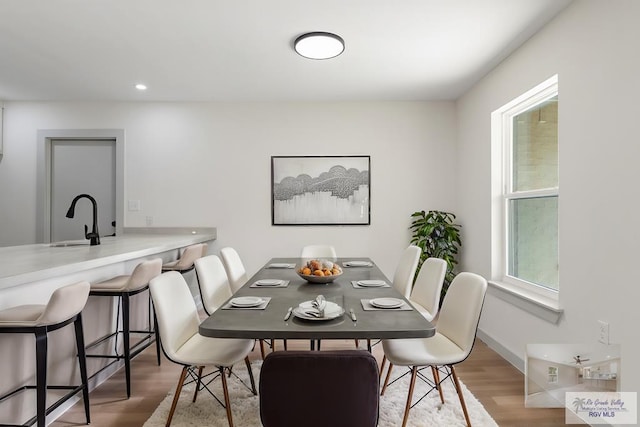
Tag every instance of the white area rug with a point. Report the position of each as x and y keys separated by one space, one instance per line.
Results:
x=246 y=411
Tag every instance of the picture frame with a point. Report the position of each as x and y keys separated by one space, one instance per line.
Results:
x=321 y=190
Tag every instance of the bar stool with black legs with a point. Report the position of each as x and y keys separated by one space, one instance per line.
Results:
x=124 y=287
x=64 y=307
x=185 y=262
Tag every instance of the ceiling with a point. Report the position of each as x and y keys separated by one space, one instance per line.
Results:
x=213 y=50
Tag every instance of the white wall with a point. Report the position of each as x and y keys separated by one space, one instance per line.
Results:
x=593 y=47
x=205 y=164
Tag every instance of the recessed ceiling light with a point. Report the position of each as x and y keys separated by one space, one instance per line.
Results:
x=141 y=86
x=319 y=45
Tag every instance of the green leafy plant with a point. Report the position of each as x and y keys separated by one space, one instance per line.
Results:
x=436 y=233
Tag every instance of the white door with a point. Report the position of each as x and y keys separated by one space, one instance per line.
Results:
x=82 y=167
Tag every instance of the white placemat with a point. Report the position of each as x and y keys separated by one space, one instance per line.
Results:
x=366 y=306
x=352 y=264
x=283 y=284
x=281 y=265
x=262 y=306
x=358 y=286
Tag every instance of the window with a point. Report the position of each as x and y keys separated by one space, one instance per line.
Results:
x=525 y=134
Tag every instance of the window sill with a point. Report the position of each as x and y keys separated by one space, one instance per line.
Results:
x=544 y=308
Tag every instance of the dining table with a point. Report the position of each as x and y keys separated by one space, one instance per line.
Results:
x=279 y=297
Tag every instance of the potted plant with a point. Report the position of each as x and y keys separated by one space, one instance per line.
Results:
x=436 y=233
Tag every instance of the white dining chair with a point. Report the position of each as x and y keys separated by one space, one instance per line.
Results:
x=212 y=282
x=425 y=296
x=318 y=252
x=178 y=322
x=406 y=270
x=234 y=267
x=237 y=277
x=403 y=275
x=452 y=343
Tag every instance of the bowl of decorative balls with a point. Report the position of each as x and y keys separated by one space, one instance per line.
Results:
x=319 y=271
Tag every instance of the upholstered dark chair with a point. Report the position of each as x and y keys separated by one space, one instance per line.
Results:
x=319 y=389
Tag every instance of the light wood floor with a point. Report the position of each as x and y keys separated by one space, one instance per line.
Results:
x=495 y=383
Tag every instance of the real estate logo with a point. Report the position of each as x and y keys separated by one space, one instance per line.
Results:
x=601 y=407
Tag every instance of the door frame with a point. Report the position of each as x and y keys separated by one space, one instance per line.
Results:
x=43 y=191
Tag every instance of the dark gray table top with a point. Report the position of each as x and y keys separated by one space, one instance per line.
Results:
x=269 y=323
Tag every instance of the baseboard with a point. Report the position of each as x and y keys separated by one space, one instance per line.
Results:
x=508 y=355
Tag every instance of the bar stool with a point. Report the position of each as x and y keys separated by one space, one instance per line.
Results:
x=186 y=261
x=124 y=287
x=64 y=307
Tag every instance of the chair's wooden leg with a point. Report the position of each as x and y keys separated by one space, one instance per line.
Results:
x=253 y=383
x=227 y=401
x=414 y=372
x=436 y=380
x=262 y=349
x=183 y=375
x=195 y=394
x=384 y=362
x=386 y=379
x=459 y=390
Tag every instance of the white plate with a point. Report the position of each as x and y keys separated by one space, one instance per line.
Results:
x=331 y=311
x=371 y=283
x=281 y=265
x=268 y=282
x=386 y=302
x=246 y=301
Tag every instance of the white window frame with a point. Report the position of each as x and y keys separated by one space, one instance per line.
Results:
x=502 y=137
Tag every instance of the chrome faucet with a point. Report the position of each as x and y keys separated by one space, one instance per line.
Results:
x=93 y=236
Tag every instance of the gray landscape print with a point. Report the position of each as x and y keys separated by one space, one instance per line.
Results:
x=320 y=190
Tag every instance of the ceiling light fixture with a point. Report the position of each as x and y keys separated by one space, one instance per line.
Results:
x=140 y=86
x=319 y=45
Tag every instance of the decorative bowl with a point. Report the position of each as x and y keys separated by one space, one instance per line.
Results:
x=319 y=279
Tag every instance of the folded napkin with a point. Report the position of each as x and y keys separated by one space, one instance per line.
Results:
x=317 y=307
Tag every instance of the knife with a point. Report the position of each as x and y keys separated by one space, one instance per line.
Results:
x=288 y=315
x=353 y=315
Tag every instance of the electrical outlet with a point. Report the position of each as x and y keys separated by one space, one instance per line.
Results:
x=603 y=336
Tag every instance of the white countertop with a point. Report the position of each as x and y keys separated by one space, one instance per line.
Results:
x=30 y=263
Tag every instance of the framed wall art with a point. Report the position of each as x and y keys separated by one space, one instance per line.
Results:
x=320 y=190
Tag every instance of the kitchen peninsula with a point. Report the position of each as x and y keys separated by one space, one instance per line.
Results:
x=29 y=274
x=20 y=265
